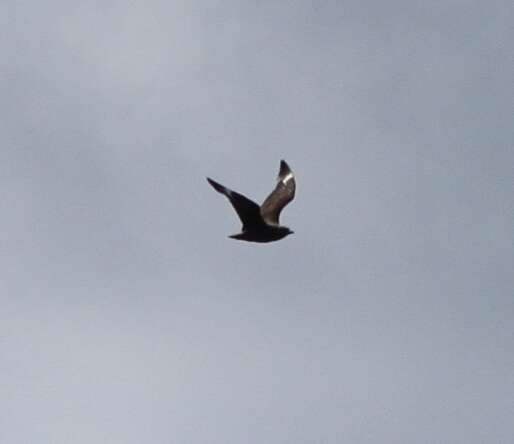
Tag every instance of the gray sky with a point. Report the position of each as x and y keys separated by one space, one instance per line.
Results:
x=127 y=316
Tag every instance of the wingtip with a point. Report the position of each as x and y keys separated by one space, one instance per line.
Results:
x=212 y=183
x=284 y=169
x=217 y=186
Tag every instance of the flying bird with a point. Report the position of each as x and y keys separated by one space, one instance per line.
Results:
x=260 y=223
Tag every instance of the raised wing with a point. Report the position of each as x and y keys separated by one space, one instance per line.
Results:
x=247 y=210
x=281 y=195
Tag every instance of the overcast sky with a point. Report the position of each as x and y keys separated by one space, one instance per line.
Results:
x=127 y=315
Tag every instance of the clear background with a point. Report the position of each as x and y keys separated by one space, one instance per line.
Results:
x=127 y=316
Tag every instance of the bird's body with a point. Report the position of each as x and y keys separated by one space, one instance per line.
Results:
x=266 y=233
x=261 y=223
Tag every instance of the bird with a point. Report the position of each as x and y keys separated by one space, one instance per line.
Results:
x=261 y=223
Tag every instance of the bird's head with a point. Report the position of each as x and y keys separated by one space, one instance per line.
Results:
x=288 y=231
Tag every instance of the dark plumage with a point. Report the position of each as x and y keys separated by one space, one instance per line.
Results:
x=261 y=224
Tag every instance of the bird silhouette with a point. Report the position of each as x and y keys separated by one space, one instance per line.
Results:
x=261 y=223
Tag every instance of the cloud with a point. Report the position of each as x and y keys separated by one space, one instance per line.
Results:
x=128 y=314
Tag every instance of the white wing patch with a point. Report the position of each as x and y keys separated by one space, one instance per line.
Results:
x=287 y=178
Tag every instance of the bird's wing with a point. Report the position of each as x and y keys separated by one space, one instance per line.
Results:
x=247 y=210
x=280 y=196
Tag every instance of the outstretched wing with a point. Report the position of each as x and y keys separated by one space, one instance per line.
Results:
x=247 y=210
x=281 y=195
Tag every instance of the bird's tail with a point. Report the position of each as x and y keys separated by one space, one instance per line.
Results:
x=218 y=187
